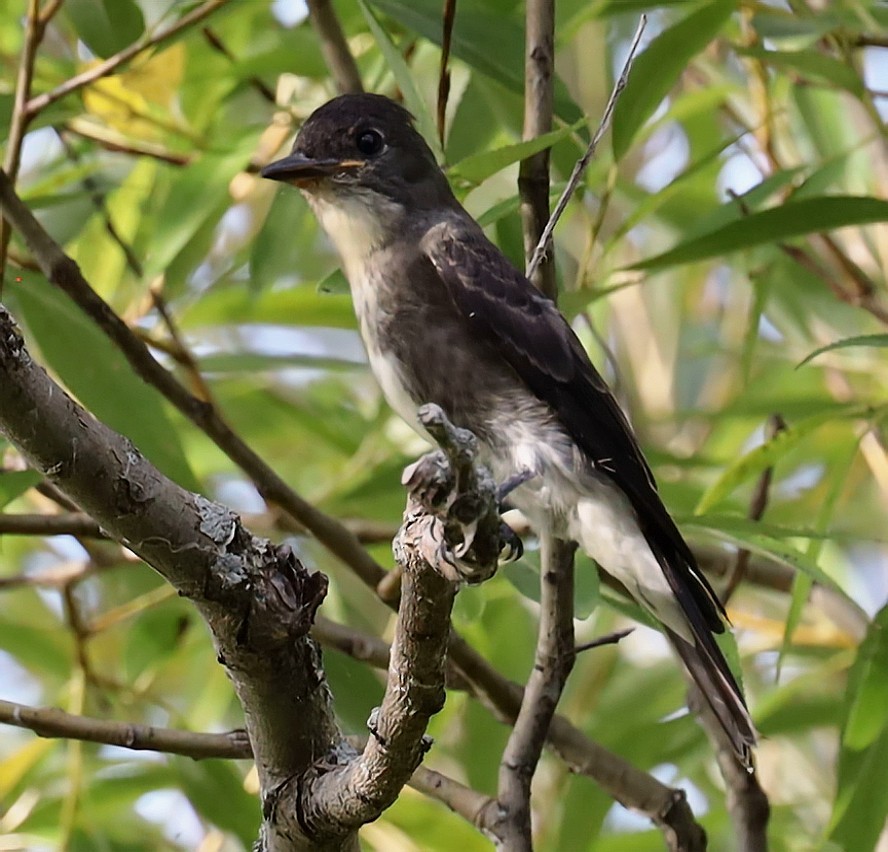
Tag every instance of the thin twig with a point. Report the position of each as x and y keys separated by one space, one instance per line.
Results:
x=553 y=661
x=184 y=355
x=102 y=137
x=21 y=119
x=757 y=507
x=580 y=167
x=448 y=19
x=70 y=523
x=217 y=44
x=607 y=639
x=112 y=63
x=334 y=47
x=533 y=174
x=50 y=722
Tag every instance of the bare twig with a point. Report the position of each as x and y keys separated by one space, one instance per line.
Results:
x=757 y=507
x=448 y=18
x=70 y=523
x=184 y=355
x=21 y=119
x=112 y=63
x=580 y=167
x=607 y=639
x=533 y=174
x=110 y=141
x=50 y=722
x=334 y=47
x=553 y=661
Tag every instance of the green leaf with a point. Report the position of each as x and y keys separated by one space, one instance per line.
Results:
x=657 y=70
x=877 y=340
x=811 y=215
x=405 y=81
x=861 y=801
x=335 y=284
x=744 y=533
x=810 y=63
x=105 y=26
x=256 y=363
x=477 y=168
x=14 y=483
x=524 y=575
x=301 y=305
x=483 y=38
x=215 y=788
x=768 y=454
x=199 y=195
x=96 y=371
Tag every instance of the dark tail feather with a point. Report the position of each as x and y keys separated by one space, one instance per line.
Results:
x=709 y=669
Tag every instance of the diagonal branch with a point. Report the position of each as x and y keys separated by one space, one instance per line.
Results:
x=576 y=175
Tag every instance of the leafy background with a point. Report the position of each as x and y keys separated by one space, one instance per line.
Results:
x=733 y=225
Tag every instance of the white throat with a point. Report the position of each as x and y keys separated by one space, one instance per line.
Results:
x=353 y=223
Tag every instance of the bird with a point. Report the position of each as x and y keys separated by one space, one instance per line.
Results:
x=447 y=319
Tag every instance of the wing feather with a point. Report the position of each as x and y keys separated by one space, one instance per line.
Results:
x=532 y=336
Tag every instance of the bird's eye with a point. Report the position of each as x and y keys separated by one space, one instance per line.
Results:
x=369 y=142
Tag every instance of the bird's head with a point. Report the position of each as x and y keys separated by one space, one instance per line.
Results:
x=363 y=146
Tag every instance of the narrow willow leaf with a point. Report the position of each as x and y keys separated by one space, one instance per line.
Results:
x=878 y=340
x=861 y=801
x=796 y=219
x=767 y=454
x=100 y=376
x=14 y=483
x=656 y=71
x=404 y=79
x=476 y=168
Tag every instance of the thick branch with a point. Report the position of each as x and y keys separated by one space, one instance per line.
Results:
x=257 y=599
x=445 y=492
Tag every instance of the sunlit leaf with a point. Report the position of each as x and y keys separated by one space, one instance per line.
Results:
x=795 y=219
x=100 y=375
x=658 y=67
x=861 y=802
x=866 y=340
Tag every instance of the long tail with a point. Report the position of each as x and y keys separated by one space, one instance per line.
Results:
x=710 y=671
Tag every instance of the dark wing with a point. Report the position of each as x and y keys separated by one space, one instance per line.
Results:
x=537 y=342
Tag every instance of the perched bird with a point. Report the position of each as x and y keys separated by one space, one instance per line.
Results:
x=446 y=318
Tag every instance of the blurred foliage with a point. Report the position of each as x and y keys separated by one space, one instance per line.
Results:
x=733 y=227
